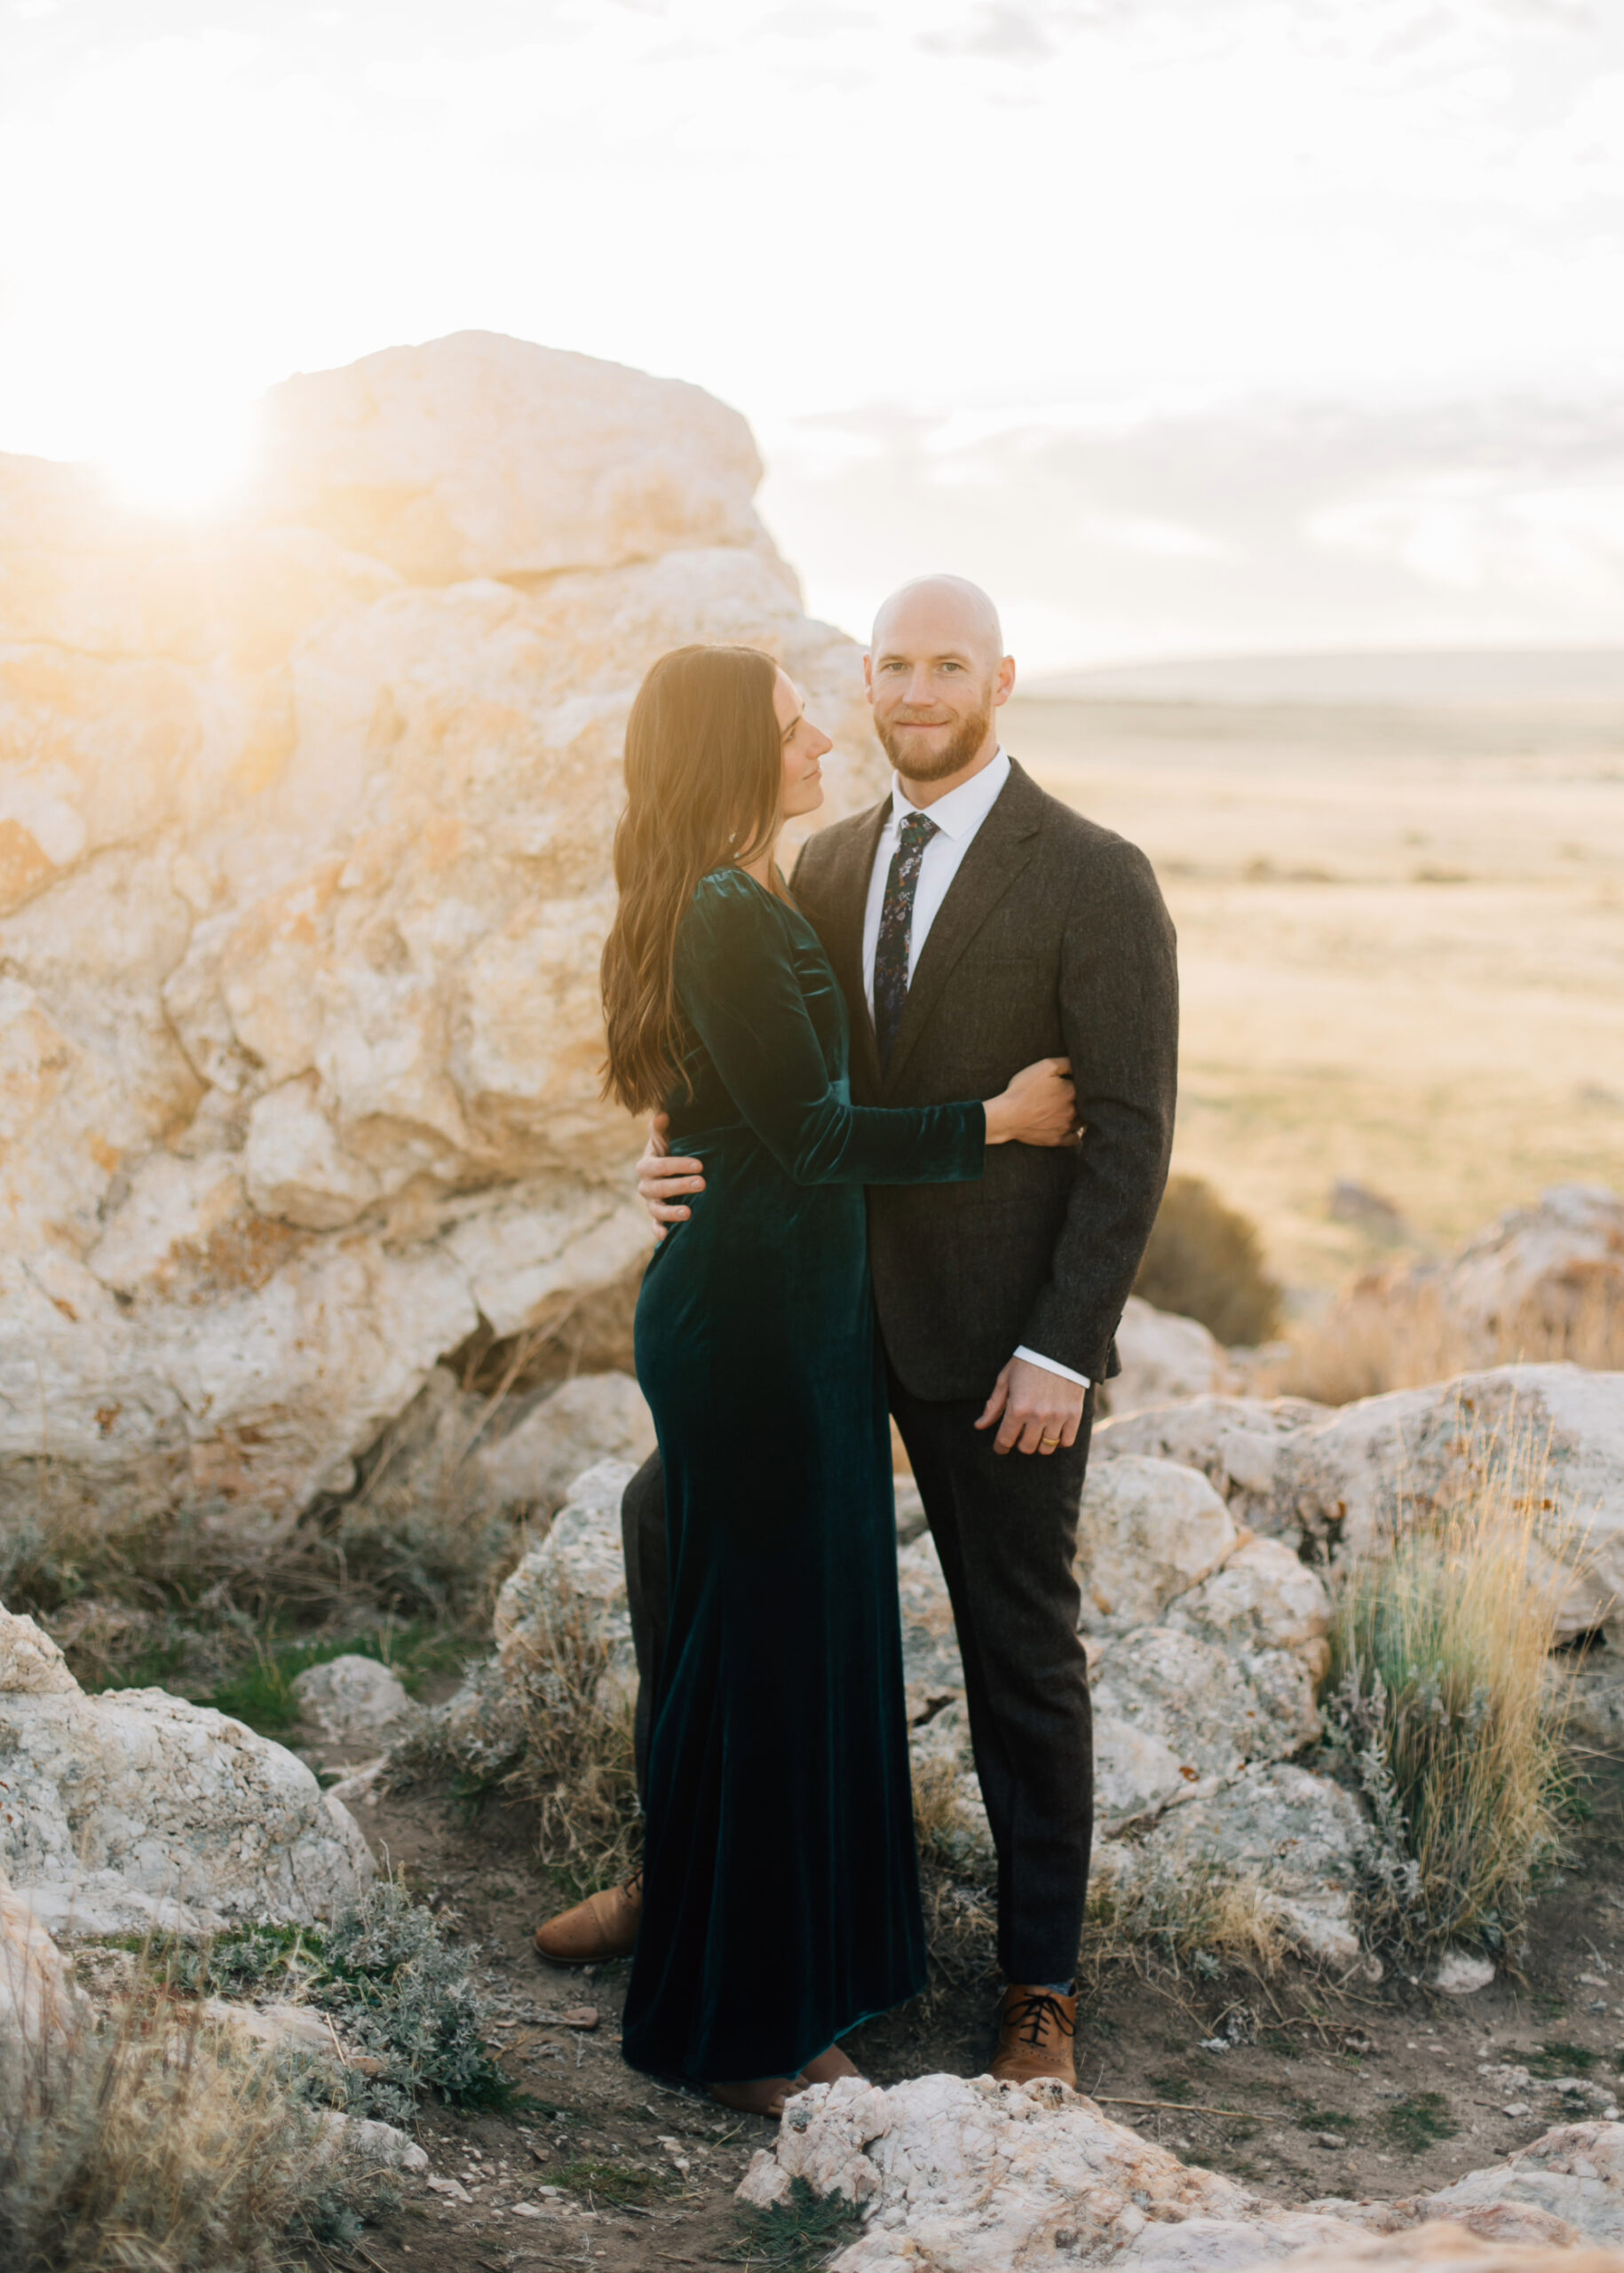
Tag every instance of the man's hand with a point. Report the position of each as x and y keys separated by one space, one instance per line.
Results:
x=1037 y=1411
x=660 y=1177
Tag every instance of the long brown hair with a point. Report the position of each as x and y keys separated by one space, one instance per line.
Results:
x=704 y=789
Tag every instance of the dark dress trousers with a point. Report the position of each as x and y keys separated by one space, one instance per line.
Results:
x=1052 y=940
x=780 y=1883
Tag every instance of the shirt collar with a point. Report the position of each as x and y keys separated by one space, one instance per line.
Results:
x=961 y=811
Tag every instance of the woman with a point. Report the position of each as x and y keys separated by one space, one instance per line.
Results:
x=781 y=1900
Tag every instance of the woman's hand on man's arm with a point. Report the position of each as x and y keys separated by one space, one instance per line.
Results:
x=663 y=1176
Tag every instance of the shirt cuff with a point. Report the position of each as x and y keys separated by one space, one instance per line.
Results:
x=1053 y=1365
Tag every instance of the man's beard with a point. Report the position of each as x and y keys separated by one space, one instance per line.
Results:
x=953 y=756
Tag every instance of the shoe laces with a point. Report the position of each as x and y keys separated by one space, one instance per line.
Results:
x=633 y=1886
x=1033 y=2015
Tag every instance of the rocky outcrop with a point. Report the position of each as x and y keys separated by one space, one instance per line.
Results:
x=1298 y=1841
x=1335 y=1482
x=1208 y=1668
x=573 y=1585
x=975 y=2177
x=304 y=836
x=1546 y=1279
x=353 y=1700
x=1149 y=1531
x=134 y=1810
x=36 y=1997
x=1164 y=1359
x=595 y=1417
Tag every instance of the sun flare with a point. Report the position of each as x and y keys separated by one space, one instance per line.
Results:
x=178 y=461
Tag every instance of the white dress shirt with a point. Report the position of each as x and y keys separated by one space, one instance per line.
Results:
x=957 y=817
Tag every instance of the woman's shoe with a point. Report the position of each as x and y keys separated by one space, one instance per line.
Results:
x=829 y=2065
x=765 y=2095
x=604 y=1926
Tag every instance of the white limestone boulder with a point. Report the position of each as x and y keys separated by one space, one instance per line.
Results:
x=1335 y=1481
x=957 y=2176
x=482 y=455
x=37 y=2000
x=304 y=871
x=1524 y=2244
x=31 y=1664
x=1546 y=1277
x=1176 y=1716
x=975 y=2177
x=1574 y=2173
x=355 y=1701
x=592 y=1418
x=571 y=1589
x=1148 y=1532
x=1349 y=1478
x=1263 y=1598
x=1165 y=1360
x=1236 y=1442
x=1298 y=1838
x=133 y=1809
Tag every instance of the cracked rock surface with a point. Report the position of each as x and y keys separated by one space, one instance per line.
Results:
x=970 y=2176
x=133 y=1809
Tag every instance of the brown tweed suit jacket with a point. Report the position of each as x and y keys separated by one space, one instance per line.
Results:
x=1052 y=941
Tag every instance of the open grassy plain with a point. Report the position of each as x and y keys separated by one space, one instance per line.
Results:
x=1402 y=940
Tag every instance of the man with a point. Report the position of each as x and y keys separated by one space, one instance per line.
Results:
x=975 y=924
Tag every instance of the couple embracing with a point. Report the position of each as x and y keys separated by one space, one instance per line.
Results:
x=918 y=1105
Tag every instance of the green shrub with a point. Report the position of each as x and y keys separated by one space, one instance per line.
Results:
x=1205 y=1260
x=396 y=1989
x=794 y=2236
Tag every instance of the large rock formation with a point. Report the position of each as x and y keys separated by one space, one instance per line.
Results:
x=975 y=2177
x=1164 y=1358
x=1205 y=1673
x=1335 y=1482
x=1544 y=1281
x=133 y=1809
x=304 y=866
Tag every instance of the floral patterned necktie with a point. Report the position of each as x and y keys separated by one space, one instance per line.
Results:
x=896 y=928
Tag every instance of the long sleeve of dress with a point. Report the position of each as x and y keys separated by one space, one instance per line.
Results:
x=738 y=985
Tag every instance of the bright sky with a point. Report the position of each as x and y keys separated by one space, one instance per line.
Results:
x=1182 y=324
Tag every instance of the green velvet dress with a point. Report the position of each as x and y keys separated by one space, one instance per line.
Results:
x=781 y=1888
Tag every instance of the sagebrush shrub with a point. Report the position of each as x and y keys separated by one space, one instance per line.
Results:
x=1205 y=1260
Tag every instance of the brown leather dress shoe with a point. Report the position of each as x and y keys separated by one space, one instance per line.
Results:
x=1035 y=2029
x=829 y=2066
x=604 y=1926
x=767 y=2095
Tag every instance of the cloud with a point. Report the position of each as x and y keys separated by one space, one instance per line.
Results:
x=1232 y=524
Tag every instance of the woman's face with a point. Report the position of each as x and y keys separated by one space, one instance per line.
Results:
x=803 y=749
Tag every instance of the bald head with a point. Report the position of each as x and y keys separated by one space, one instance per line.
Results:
x=937 y=674
x=941 y=612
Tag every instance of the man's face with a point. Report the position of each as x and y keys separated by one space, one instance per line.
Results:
x=933 y=687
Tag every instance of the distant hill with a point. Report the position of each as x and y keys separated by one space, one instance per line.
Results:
x=1443 y=678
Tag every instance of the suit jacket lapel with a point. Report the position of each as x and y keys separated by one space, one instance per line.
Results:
x=848 y=908
x=1003 y=846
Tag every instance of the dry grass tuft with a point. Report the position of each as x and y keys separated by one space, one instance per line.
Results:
x=1204 y=1922
x=1393 y=1333
x=578 y=1762
x=150 y=2143
x=1441 y=1694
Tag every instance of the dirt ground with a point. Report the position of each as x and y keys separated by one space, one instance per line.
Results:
x=1370 y=2091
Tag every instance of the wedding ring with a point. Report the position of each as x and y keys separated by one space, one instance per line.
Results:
x=1048 y=1440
